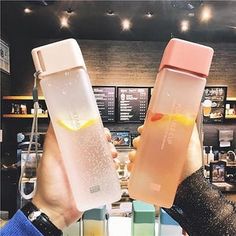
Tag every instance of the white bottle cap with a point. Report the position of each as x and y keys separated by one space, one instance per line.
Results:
x=57 y=57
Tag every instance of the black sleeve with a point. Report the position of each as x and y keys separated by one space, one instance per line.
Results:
x=201 y=209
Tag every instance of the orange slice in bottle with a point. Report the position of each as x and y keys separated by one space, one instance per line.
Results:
x=184 y=120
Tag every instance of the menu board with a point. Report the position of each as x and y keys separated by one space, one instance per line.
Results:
x=132 y=104
x=105 y=97
x=213 y=104
x=4 y=57
x=120 y=138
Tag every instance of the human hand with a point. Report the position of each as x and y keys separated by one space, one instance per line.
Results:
x=194 y=154
x=53 y=195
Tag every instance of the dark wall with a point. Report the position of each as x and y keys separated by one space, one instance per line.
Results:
x=211 y=134
x=121 y=63
x=5 y=83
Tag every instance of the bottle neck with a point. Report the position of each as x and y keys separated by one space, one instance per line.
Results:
x=183 y=70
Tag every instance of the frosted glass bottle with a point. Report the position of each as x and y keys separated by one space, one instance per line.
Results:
x=73 y=230
x=169 y=122
x=95 y=222
x=77 y=124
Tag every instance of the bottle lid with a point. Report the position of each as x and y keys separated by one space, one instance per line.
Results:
x=143 y=212
x=188 y=56
x=57 y=57
x=165 y=219
x=95 y=213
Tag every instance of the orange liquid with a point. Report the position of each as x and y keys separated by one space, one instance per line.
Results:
x=160 y=158
x=206 y=111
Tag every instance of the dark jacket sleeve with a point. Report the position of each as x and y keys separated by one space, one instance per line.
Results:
x=201 y=209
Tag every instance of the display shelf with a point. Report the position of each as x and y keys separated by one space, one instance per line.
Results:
x=230 y=109
x=22 y=116
x=230 y=116
x=231 y=99
x=12 y=107
x=21 y=98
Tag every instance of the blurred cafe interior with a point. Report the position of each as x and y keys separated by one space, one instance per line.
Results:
x=122 y=43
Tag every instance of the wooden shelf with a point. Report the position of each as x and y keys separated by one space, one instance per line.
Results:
x=21 y=98
x=28 y=100
x=23 y=116
x=230 y=99
x=230 y=116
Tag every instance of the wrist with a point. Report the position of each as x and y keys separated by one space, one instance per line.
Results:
x=40 y=220
x=55 y=215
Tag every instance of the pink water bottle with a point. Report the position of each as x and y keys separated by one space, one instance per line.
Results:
x=169 y=122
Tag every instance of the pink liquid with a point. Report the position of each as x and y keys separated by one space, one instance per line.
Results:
x=160 y=144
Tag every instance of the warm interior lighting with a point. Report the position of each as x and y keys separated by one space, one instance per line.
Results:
x=206 y=14
x=184 y=25
x=126 y=24
x=110 y=13
x=64 y=22
x=191 y=14
x=27 y=10
x=231 y=26
x=149 y=14
x=69 y=11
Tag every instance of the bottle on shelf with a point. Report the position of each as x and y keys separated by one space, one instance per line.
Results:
x=95 y=222
x=205 y=156
x=143 y=219
x=211 y=155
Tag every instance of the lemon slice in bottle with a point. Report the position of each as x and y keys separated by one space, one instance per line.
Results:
x=74 y=125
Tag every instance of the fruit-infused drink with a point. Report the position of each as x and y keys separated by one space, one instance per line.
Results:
x=77 y=124
x=162 y=140
x=86 y=139
x=169 y=122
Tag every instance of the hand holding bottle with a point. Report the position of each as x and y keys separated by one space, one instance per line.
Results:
x=53 y=195
x=194 y=154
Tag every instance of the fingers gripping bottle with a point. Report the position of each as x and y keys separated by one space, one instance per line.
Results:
x=169 y=122
x=77 y=124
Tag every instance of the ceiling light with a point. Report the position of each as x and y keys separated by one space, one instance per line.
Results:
x=184 y=25
x=149 y=14
x=231 y=26
x=191 y=14
x=126 y=24
x=190 y=6
x=69 y=11
x=206 y=14
x=44 y=3
x=110 y=13
x=64 y=22
x=27 y=10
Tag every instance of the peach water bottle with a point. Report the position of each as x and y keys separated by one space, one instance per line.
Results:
x=77 y=124
x=169 y=122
